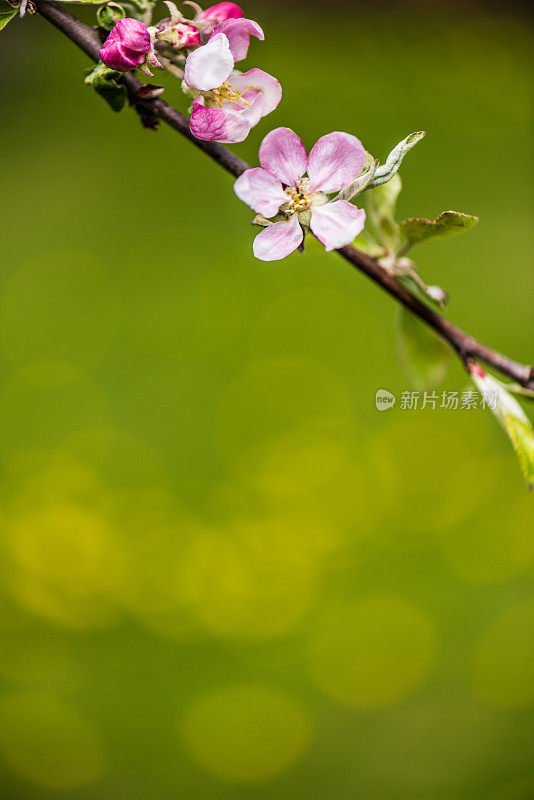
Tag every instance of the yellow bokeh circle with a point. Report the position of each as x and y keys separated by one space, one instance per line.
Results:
x=372 y=652
x=65 y=564
x=248 y=581
x=246 y=733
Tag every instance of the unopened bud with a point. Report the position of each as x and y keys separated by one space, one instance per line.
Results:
x=126 y=46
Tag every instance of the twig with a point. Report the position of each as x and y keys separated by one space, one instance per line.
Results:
x=466 y=347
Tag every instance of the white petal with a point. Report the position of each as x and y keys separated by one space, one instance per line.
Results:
x=278 y=240
x=259 y=190
x=337 y=224
x=209 y=66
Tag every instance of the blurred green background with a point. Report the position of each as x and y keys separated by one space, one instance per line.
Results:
x=224 y=573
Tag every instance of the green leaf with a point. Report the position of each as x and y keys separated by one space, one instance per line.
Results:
x=424 y=356
x=449 y=223
x=385 y=173
x=516 y=388
x=381 y=204
x=512 y=418
x=7 y=12
x=104 y=81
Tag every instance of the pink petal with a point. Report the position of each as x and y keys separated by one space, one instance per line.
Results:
x=284 y=156
x=209 y=66
x=221 y=12
x=254 y=111
x=117 y=56
x=132 y=33
x=263 y=82
x=218 y=124
x=335 y=160
x=259 y=190
x=238 y=32
x=337 y=224
x=278 y=240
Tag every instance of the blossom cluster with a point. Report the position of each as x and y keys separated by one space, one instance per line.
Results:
x=295 y=193
x=227 y=103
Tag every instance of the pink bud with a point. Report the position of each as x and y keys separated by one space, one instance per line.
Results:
x=476 y=369
x=126 y=46
x=188 y=35
x=220 y=13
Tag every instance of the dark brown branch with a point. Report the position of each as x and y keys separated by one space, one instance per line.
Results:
x=465 y=345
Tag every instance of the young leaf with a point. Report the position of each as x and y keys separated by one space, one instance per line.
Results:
x=7 y=12
x=104 y=81
x=109 y=14
x=424 y=356
x=512 y=418
x=381 y=204
x=385 y=173
x=360 y=183
x=449 y=223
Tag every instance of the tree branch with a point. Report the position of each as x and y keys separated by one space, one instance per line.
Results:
x=466 y=347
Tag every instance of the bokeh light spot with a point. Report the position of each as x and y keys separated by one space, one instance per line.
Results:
x=246 y=733
x=248 y=580
x=372 y=652
x=66 y=564
x=48 y=742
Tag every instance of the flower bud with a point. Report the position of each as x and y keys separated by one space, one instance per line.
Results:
x=438 y=294
x=220 y=13
x=126 y=46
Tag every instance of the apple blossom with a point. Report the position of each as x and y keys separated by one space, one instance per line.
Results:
x=227 y=103
x=281 y=185
x=129 y=45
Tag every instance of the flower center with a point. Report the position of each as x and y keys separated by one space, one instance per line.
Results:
x=300 y=197
x=226 y=94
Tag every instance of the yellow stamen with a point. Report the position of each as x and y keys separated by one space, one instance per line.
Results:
x=300 y=197
x=227 y=94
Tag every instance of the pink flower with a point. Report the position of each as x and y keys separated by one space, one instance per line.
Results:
x=126 y=46
x=281 y=186
x=220 y=13
x=227 y=104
